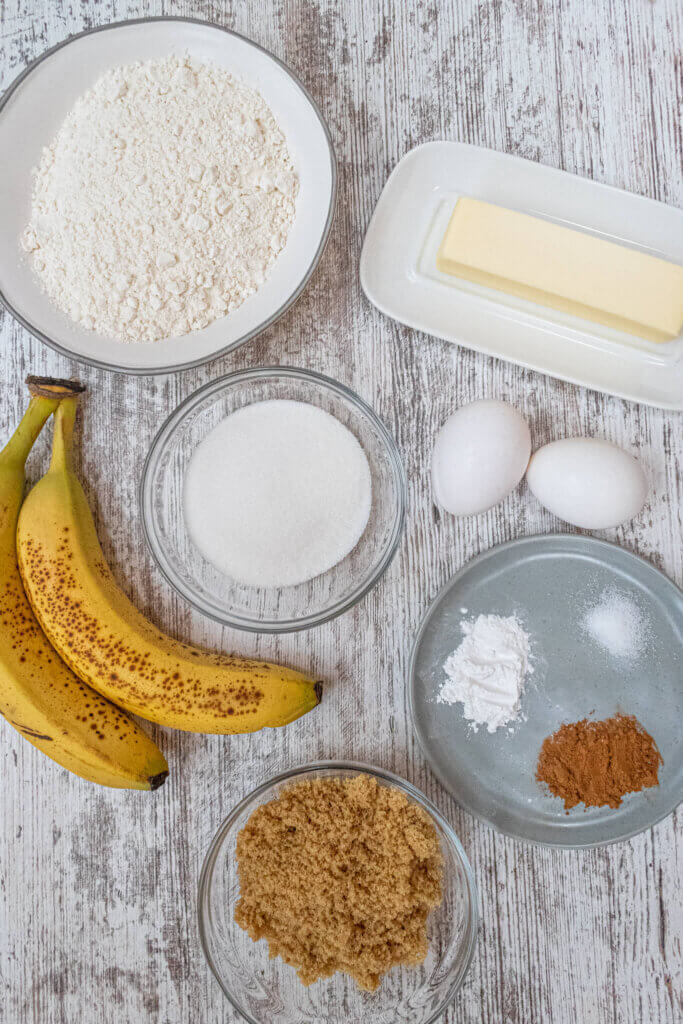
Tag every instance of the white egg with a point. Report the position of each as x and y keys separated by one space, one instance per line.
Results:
x=588 y=482
x=480 y=455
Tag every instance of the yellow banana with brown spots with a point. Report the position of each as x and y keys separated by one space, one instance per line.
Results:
x=39 y=695
x=111 y=646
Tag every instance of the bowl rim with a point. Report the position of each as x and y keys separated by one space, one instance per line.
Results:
x=189 y=364
x=211 y=857
x=177 y=416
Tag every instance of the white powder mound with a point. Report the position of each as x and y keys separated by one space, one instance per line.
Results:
x=163 y=201
x=486 y=673
x=279 y=492
x=617 y=624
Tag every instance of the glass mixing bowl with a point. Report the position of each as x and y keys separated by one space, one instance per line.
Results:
x=259 y=609
x=268 y=991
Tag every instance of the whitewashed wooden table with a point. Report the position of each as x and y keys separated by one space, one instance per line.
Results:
x=97 y=888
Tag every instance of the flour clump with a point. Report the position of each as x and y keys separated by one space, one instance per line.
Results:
x=163 y=201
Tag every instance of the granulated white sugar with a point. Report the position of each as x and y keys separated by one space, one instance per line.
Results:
x=278 y=493
x=162 y=202
x=617 y=624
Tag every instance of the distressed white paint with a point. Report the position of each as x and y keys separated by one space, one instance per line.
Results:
x=97 y=889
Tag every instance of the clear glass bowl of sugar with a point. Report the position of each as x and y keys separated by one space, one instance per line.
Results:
x=268 y=991
x=273 y=609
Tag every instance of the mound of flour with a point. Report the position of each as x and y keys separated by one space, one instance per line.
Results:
x=162 y=202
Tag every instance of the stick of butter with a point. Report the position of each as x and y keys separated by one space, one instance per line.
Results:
x=565 y=269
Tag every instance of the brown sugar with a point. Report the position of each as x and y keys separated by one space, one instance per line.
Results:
x=340 y=875
x=598 y=763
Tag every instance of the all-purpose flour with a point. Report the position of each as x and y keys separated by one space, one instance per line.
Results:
x=163 y=201
x=486 y=673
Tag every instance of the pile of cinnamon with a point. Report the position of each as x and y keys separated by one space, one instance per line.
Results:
x=598 y=763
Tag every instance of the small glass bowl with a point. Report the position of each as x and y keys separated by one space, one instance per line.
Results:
x=268 y=991
x=258 y=609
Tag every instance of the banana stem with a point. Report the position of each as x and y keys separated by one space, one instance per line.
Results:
x=62 y=442
x=53 y=387
x=32 y=422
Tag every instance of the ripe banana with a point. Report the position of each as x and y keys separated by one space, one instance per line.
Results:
x=111 y=645
x=39 y=695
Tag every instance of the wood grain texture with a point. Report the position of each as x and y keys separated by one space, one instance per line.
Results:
x=97 y=889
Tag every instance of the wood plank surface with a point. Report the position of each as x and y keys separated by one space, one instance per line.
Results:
x=97 y=888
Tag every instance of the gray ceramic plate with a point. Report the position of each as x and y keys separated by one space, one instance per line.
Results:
x=549 y=583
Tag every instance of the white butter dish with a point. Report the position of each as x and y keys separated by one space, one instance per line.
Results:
x=398 y=268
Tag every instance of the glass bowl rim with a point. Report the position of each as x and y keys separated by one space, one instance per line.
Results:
x=177 y=417
x=211 y=857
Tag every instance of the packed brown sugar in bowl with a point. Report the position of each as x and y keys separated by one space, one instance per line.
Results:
x=340 y=875
x=598 y=763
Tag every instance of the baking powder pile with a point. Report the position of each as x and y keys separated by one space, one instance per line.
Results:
x=487 y=671
x=163 y=201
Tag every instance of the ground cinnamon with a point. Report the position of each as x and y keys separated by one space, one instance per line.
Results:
x=597 y=763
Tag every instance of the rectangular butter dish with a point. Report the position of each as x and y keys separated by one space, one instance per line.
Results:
x=398 y=268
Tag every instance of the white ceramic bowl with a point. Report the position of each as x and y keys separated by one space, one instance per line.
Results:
x=31 y=113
